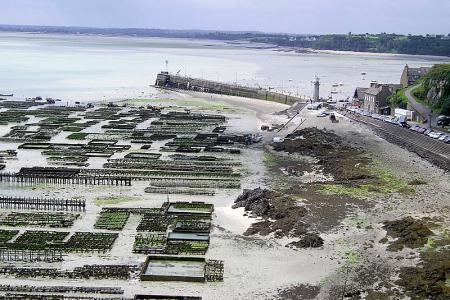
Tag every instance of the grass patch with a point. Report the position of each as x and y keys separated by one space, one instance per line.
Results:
x=418 y=92
x=382 y=182
x=389 y=183
x=270 y=160
x=398 y=99
x=110 y=200
x=351 y=258
x=430 y=245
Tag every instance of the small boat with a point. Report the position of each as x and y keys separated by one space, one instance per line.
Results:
x=6 y=95
x=363 y=73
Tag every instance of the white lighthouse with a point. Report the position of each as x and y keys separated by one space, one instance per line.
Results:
x=316 y=89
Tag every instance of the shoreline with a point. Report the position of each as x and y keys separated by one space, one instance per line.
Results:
x=232 y=44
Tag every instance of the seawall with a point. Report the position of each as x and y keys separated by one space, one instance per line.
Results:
x=167 y=80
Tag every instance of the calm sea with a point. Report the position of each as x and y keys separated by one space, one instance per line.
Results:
x=94 y=68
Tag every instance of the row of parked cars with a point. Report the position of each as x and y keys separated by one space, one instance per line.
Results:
x=402 y=121
x=433 y=134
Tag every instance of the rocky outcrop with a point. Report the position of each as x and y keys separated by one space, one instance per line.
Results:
x=435 y=88
x=436 y=91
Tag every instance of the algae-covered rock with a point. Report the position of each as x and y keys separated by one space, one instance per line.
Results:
x=409 y=232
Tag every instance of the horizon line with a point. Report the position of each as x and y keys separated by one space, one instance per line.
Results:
x=214 y=30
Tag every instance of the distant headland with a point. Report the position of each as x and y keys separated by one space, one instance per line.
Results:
x=437 y=45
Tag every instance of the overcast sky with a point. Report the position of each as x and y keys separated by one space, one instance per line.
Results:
x=294 y=16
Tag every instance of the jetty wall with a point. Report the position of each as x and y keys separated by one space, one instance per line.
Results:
x=167 y=80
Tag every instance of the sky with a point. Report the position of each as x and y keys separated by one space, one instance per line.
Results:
x=288 y=16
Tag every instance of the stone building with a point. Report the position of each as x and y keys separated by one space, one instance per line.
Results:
x=411 y=75
x=376 y=98
x=358 y=97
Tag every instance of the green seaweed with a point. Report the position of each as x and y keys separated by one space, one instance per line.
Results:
x=110 y=200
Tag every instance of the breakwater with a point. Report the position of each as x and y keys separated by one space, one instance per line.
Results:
x=167 y=80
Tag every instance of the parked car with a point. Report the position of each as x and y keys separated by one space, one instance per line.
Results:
x=435 y=135
x=443 y=137
x=428 y=131
x=420 y=129
x=391 y=120
x=443 y=120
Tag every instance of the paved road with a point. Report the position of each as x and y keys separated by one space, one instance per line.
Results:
x=423 y=110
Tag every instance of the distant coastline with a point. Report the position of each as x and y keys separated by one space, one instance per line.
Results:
x=437 y=45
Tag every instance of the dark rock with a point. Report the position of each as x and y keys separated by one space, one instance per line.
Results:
x=309 y=240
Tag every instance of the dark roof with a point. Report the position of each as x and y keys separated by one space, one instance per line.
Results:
x=393 y=87
x=359 y=93
x=416 y=73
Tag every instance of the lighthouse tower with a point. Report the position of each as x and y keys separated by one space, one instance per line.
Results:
x=316 y=89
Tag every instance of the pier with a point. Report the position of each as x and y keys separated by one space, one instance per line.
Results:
x=167 y=80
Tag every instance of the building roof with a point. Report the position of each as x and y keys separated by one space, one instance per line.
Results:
x=359 y=93
x=394 y=87
x=374 y=90
x=416 y=73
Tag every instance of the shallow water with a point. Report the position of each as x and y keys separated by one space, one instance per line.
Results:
x=92 y=68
